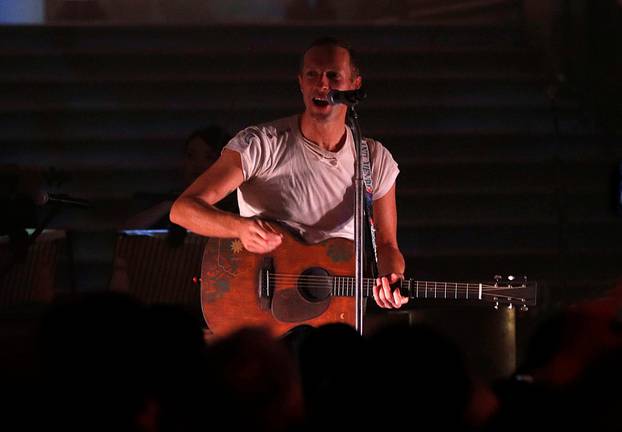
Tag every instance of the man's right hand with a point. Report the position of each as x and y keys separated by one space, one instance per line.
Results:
x=259 y=236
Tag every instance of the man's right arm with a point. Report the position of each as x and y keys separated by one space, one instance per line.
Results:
x=195 y=211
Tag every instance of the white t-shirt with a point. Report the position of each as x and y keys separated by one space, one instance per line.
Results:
x=289 y=179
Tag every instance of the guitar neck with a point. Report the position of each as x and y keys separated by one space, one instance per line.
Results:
x=499 y=294
x=445 y=290
x=345 y=286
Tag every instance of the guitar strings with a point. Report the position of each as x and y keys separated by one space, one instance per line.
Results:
x=423 y=285
x=369 y=285
x=438 y=293
x=285 y=276
x=281 y=276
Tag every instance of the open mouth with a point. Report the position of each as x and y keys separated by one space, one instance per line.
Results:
x=319 y=102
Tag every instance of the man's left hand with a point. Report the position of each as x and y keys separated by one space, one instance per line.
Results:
x=387 y=297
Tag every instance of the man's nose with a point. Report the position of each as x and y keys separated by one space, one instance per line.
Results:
x=323 y=81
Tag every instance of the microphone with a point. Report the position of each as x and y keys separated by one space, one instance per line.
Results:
x=43 y=198
x=346 y=97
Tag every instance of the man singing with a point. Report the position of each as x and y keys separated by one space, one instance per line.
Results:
x=299 y=171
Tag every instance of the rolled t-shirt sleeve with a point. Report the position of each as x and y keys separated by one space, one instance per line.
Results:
x=251 y=146
x=384 y=169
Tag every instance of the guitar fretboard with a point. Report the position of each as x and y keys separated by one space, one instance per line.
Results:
x=345 y=286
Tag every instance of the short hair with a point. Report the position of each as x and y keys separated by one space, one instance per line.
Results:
x=215 y=136
x=329 y=41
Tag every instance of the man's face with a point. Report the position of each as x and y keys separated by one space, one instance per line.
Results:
x=325 y=68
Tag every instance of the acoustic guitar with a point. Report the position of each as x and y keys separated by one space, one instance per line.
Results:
x=301 y=283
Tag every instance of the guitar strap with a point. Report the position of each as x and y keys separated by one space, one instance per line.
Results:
x=368 y=207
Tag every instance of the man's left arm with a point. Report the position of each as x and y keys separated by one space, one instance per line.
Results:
x=390 y=260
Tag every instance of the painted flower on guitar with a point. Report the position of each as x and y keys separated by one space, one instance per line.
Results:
x=229 y=256
x=225 y=267
x=236 y=246
x=221 y=287
x=339 y=252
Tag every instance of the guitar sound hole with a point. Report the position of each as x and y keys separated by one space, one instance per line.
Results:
x=315 y=284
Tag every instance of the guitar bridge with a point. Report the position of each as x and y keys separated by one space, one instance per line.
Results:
x=265 y=292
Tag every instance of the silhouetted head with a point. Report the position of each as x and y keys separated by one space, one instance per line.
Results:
x=202 y=148
x=420 y=371
x=94 y=362
x=334 y=370
x=254 y=383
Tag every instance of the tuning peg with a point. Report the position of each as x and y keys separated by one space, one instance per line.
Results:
x=524 y=281
x=511 y=278
x=524 y=308
x=510 y=306
x=498 y=279
x=496 y=306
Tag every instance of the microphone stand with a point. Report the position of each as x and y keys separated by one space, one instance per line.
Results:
x=352 y=118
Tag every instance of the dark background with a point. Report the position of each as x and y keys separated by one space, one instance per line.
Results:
x=504 y=119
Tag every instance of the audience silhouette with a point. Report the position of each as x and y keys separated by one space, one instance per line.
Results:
x=104 y=361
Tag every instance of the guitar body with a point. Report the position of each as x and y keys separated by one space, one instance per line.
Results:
x=232 y=279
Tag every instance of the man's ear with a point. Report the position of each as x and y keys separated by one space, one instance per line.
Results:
x=300 y=81
x=358 y=82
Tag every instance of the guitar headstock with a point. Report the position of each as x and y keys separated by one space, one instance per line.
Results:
x=511 y=292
